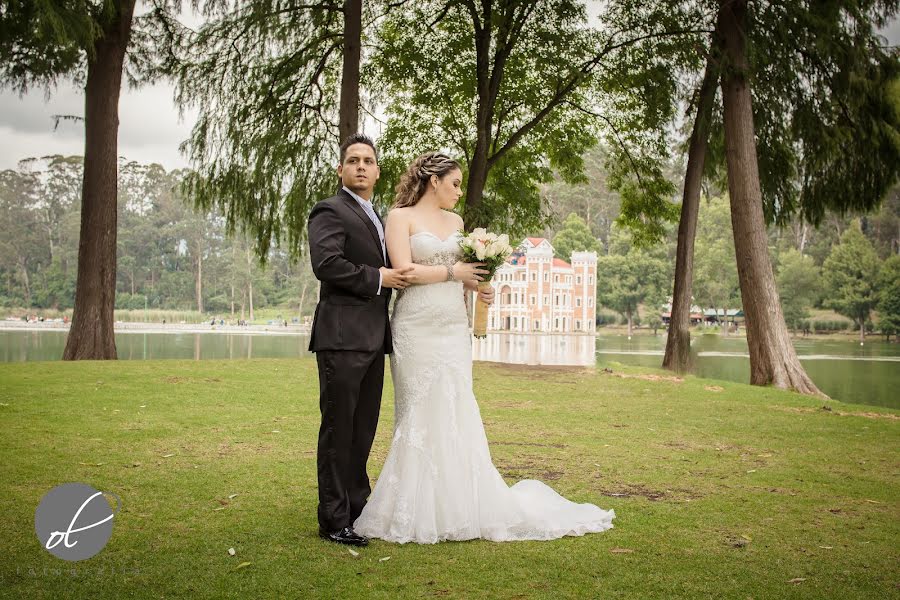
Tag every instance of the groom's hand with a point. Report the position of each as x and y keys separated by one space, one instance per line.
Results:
x=395 y=278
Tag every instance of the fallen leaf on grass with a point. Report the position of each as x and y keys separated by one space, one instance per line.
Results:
x=231 y=551
x=874 y=501
x=232 y=496
x=168 y=455
x=219 y=508
x=621 y=550
x=242 y=565
x=764 y=455
x=276 y=431
x=384 y=559
x=713 y=388
x=752 y=471
x=827 y=547
x=797 y=580
x=100 y=464
x=352 y=552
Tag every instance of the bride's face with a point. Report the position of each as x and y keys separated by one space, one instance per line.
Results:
x=449 y=189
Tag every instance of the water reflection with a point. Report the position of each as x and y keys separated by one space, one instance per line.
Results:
x=535 y=349
x=844 y=370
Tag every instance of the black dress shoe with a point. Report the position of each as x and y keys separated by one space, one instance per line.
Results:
x=344 y=536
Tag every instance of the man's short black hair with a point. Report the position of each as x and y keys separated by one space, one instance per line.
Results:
x=357 y=138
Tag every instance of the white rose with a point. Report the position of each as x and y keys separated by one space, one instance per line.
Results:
x=479 y=249
x=479 y=232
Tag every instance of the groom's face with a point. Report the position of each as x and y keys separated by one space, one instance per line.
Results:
x=359 y=171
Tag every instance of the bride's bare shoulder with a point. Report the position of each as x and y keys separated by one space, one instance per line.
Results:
x=457 y=220
x=399 y=214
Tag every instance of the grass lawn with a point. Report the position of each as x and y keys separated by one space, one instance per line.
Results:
x=720 y=489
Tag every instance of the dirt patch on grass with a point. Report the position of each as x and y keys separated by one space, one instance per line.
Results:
x=529 y=470
x=529 y=444
x=637 y=490
x=644 y=376
x=827 y=410
x=173 y=379
x=541 y=371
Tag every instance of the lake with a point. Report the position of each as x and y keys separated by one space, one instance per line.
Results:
x=844 y=370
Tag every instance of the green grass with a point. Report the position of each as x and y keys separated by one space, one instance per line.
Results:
x=720 y=489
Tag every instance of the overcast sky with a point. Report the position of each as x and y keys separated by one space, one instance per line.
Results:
x=150 y=129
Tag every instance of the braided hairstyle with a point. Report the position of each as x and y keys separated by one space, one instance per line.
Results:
x=414 y=182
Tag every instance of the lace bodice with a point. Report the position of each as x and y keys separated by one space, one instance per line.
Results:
x=439 y=303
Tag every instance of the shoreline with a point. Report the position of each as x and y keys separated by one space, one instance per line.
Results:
x=294 y=329
x=138 y=327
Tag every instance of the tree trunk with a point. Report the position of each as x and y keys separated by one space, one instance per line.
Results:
x=478 y=172
x=773 y=359
x=478 y=164
x=349 y=103
x=25 y=279
x=302 y=300
x=91 y=334
x=199 y=285
x=678 y=343
x=232 y=282
x=250 y=282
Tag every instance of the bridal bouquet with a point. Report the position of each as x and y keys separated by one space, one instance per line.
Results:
x=492 y=250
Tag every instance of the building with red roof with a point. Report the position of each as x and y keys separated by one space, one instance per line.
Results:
x=537 y=292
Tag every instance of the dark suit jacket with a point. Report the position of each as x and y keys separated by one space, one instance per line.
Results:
x=346 y=254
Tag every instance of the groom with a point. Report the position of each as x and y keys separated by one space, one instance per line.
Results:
x=350 y=335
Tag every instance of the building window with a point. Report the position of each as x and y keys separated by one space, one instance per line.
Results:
x=533 y=300
x=577 y=324
x=557 y=324
x=534 y=276
x=556 y=278
x=546 y=299
x=590 y=280
x=578 y=279
x=577 y=301
x=590 y=302
x=546 y=276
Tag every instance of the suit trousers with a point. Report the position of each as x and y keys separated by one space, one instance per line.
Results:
x=350 y=385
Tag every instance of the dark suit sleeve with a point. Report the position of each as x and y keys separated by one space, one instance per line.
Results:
x=326 y=251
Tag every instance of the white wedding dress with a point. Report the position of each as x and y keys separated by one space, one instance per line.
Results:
x=438 y=481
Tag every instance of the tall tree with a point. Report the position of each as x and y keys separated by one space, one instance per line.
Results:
x=42 y=42
x=277 y=88
x=773 y=359
x=889 y=305
x=519 y=90
x=823 y=112
x=575 y=236
x=678 y=343
x=851 y=276
x=799 y=286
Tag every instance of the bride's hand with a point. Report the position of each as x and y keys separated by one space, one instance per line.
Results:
x=464 y=271
x=486 y=295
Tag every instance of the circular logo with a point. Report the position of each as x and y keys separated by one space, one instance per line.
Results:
x=74 y=521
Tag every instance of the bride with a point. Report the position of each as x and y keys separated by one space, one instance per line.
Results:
x=438 y=482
